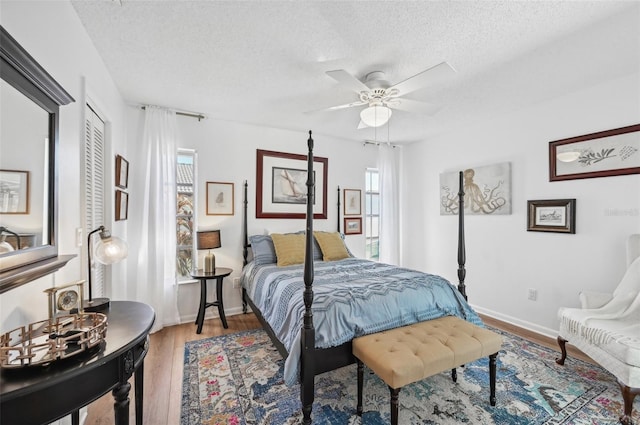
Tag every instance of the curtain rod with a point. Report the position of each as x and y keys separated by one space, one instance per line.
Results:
x=184 y=114
x=371 y=142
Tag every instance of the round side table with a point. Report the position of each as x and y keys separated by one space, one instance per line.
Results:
x=218 y=274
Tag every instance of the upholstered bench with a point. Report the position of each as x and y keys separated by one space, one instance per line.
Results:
x=411 y=353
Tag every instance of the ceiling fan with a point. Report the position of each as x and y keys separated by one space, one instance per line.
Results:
x=380 y=97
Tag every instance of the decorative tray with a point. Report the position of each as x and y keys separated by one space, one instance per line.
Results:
x=46 y=341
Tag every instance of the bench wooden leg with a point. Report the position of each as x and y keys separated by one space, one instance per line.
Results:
x=628 y=394
x=360 y=379
x=563 y=350
x=492 y=378
x=395 y=392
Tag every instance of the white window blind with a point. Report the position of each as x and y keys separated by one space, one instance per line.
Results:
x=94 y=173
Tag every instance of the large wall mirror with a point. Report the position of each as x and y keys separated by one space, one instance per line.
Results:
x=29 y=103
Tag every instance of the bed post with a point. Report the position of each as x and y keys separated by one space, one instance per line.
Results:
x=245 y=237
x=461 y=250
x=245 y=243
x=307 y=360
x=338 y=209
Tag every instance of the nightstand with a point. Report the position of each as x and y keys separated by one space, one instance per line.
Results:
x=218 y=274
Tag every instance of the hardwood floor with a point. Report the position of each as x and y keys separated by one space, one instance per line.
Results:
x=163 y=367
x=163 y=372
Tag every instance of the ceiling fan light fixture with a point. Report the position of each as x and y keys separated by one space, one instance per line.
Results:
x=376 y=115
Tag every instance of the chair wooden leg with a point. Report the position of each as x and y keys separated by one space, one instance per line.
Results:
x=492 y=378
x=360 y=379
x=395 y=392
x=628 y=394
x=562 y=343
x=454 y=375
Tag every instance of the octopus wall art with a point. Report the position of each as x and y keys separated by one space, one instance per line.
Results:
x=487 y=190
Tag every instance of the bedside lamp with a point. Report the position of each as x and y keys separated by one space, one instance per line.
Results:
x=108 y=250
x=209 y=239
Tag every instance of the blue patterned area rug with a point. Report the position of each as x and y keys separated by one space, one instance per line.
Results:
x=237 y=379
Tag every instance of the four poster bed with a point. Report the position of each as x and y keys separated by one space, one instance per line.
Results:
x=349 y=298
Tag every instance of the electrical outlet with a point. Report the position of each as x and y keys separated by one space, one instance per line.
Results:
x=532 y=294
x=236 y=282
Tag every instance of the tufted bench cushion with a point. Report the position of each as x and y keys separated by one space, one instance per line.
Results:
x=411 y=353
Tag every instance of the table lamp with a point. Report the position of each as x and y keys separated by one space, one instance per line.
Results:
x=108 y=250
x=209 y=239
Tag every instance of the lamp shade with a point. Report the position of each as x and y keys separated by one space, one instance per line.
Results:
x=376 y=115
x=110 y=249
x=209 y=239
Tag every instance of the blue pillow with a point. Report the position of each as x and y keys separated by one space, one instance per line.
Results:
x=263 y=249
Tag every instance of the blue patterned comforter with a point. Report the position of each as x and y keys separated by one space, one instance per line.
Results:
x=352 y=297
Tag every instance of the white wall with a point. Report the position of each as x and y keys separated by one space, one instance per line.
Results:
x=52 y=33
x=503 y=259
x=226 y=152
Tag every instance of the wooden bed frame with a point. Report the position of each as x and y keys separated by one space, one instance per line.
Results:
x=316 y=361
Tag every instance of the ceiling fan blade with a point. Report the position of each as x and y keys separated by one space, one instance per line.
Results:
x=347 y=105
x=424 y=79
x=415 y=106
x=338 y=107
x=348 y=80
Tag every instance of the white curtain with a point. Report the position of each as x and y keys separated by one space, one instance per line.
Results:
x=388 y=169
x=154 y=229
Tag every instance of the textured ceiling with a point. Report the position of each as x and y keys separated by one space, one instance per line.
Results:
x=264 y=62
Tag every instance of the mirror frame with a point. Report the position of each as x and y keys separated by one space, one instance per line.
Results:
x=22 y=71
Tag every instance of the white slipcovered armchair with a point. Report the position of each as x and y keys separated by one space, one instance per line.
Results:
x=607 y=329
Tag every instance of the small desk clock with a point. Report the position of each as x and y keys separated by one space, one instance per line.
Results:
x=65 y=299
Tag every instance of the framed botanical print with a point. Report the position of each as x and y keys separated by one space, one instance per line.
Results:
x=220 y=198
x=122 y=205
x=606 y=153
x=122 y=172
x=352 y=202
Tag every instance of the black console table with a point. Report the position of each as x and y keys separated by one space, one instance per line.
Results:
x=40 y=395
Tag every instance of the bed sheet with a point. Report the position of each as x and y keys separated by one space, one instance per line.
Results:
x=352 y=297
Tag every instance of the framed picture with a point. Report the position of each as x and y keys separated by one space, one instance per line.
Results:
x=122 y=205
x=352 y=202
x=353 y=225
x=281 y=189
x=122 y=172
x=607 y=153
x=14 y=192
x=552 y=215
x=490 y=184
x=220 y=198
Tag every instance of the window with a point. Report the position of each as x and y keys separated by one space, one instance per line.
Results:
x=372 y=214
x=94 y=193
x=184 y=213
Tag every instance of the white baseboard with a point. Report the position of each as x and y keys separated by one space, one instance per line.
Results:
x=550 y=333
x=212 y=313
